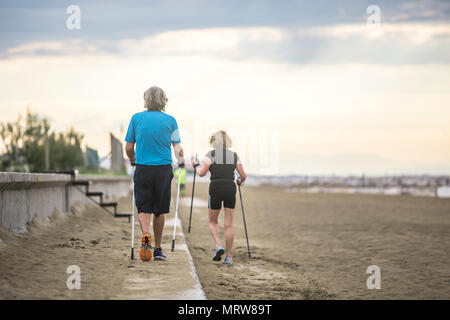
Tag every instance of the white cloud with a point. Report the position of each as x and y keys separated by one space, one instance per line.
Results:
x=69 y=47
x=389 y=43
x=211 y=40
x=413 y=32
x=233 y=78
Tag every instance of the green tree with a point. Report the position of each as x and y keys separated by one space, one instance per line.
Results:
x=66 y=150
x=24 y=142
x=34 y=141
x=13 y=159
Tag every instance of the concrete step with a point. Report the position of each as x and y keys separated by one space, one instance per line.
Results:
x=81 y=183
x=94 y=194
x=123 y=215
x=71 y=172
x=108 y=204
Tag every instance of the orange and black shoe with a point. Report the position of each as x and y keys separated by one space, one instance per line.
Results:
x=145 y=253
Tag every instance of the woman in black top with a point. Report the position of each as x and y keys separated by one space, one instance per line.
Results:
x=221 y=162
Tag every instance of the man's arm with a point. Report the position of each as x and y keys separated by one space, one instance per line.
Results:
x=129 y=149
x=179 y=153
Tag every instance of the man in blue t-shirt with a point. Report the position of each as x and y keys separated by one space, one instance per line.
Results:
x=153 y=132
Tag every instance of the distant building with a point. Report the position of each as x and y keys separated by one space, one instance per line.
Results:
x=117 y=160
x=92 y=159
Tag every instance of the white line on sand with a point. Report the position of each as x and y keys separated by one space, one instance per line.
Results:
x=197 y=293
x=196 y=202
x=173 y=279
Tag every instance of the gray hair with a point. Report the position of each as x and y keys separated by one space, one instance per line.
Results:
x=155 y=99
x=220 y=140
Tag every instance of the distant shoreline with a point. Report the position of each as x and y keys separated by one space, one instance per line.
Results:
x=425 y=186
x=441 y=192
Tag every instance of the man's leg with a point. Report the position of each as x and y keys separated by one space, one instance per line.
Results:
x=158 y=227
x=229 y=230
x=144 y=222
x=213 y=225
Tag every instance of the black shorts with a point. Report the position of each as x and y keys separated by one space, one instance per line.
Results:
x=222 y=191
x=152 y=188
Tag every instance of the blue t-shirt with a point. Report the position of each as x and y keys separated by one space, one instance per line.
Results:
x=153 y=132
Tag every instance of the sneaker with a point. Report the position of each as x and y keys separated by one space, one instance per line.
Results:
x=158 y=255
x=218 y=252
x=228 y=261
x=145 y=253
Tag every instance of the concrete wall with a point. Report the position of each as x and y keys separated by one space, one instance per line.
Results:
x=24 y=196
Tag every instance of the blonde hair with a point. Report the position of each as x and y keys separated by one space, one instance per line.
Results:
x=155 y=99
x=220 y=140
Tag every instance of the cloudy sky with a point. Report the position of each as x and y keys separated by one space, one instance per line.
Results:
x=303 y=87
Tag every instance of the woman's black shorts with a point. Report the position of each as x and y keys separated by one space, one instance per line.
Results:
x=222 y=191
x=152 y=188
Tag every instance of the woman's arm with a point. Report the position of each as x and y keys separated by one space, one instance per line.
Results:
x=240 y=170
x=201 y=171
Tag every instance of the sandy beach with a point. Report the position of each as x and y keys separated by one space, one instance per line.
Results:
x=34 y=266
x=304 y=246
x=318 y=246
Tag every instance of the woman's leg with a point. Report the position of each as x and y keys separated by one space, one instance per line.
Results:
x=229 y=230
x=214 y=225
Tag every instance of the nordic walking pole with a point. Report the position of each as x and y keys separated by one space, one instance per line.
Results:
x=192 y=198
x=176 y=209
x=243 y=216
x=132 y=220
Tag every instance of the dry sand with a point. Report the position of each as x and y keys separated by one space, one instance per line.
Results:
x=304 y=246
x=34 y=266
x=318 y=246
